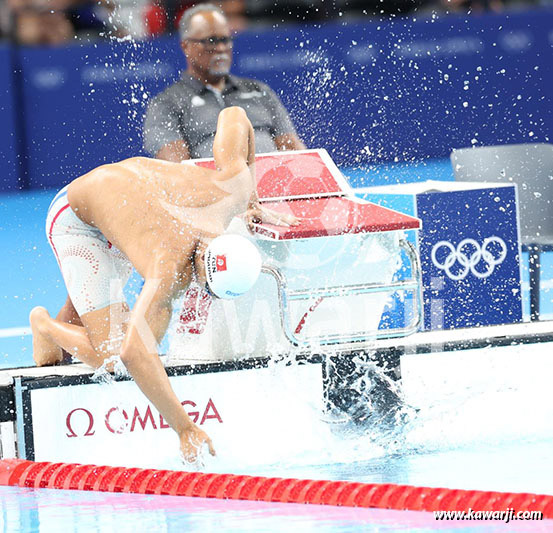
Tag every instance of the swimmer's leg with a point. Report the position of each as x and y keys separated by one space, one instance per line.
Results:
x=69 y=314
x=100 y=338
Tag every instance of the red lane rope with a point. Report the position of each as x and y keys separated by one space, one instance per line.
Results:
x=17 y=472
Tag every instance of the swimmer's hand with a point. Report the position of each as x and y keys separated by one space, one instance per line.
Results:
x=258 y=214
x=191 y=443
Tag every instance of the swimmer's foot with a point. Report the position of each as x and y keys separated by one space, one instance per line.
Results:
x=45 y=352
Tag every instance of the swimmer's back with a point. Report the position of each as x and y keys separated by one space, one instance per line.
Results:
x=133 y=203
x=138 y=181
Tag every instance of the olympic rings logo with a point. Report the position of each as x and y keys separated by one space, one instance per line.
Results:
x=468 y=254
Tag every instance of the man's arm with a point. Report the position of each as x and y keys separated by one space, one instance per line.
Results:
x=162 y=137
x=234 y=143
x=148 y=323
x=257 y=213
x=284 y=133
x=175 y=151
x=289 y=141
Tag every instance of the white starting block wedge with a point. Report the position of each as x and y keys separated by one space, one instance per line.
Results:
x=324 y=281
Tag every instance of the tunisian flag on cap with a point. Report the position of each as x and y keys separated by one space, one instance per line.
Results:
x=221 y=263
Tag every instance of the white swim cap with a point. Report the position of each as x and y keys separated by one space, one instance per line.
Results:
x=232 y=265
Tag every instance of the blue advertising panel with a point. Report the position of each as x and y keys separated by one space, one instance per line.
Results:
x=469 y=252
x=470 y=256
x=84 y=105
x=399 y=90
x=9 y=179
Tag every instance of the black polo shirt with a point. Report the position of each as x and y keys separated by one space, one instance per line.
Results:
x=188 y=110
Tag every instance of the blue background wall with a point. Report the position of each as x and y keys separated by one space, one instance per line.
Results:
x=84 y=105
x=9 y=174
x=368 y=92
x=414 y=89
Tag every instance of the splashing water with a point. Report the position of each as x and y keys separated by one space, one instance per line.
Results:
x=495 y=401
x=111 y=364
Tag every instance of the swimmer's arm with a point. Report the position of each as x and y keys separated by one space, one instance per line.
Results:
x=148 y=323
x=256 y=212
x=234 y=143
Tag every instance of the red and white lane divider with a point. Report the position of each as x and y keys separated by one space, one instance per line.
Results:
x=17 y=472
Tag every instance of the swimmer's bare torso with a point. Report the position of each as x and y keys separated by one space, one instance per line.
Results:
x=161 y=212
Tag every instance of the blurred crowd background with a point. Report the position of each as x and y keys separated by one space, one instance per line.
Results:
x=55 y=22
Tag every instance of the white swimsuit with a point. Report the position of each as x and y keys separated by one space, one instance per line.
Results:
x=94 y=271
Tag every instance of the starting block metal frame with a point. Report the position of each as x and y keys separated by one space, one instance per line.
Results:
x=341 y=213
x=413 y=285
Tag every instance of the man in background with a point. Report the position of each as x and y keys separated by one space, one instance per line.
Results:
x=180 y=122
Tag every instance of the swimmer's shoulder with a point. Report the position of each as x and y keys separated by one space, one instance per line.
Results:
x=133 y=168
x=106 y=172
x=185 y=170
x=141 y=163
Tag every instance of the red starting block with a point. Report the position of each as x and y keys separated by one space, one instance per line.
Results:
x=329 y=258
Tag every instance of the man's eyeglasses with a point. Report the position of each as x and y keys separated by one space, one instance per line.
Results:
x=212 y=42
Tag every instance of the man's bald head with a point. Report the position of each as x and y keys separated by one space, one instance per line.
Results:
x=198 y=17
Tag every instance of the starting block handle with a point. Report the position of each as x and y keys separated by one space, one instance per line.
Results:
x=414 y=285
x=351 y=290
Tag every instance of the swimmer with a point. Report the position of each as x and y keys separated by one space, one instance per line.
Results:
x=158 y=217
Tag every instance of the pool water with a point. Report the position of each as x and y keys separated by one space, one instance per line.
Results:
x=482 y=422
x=48 y=510
x=58 y=510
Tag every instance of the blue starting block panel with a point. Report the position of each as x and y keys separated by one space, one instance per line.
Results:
x=469 y=247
